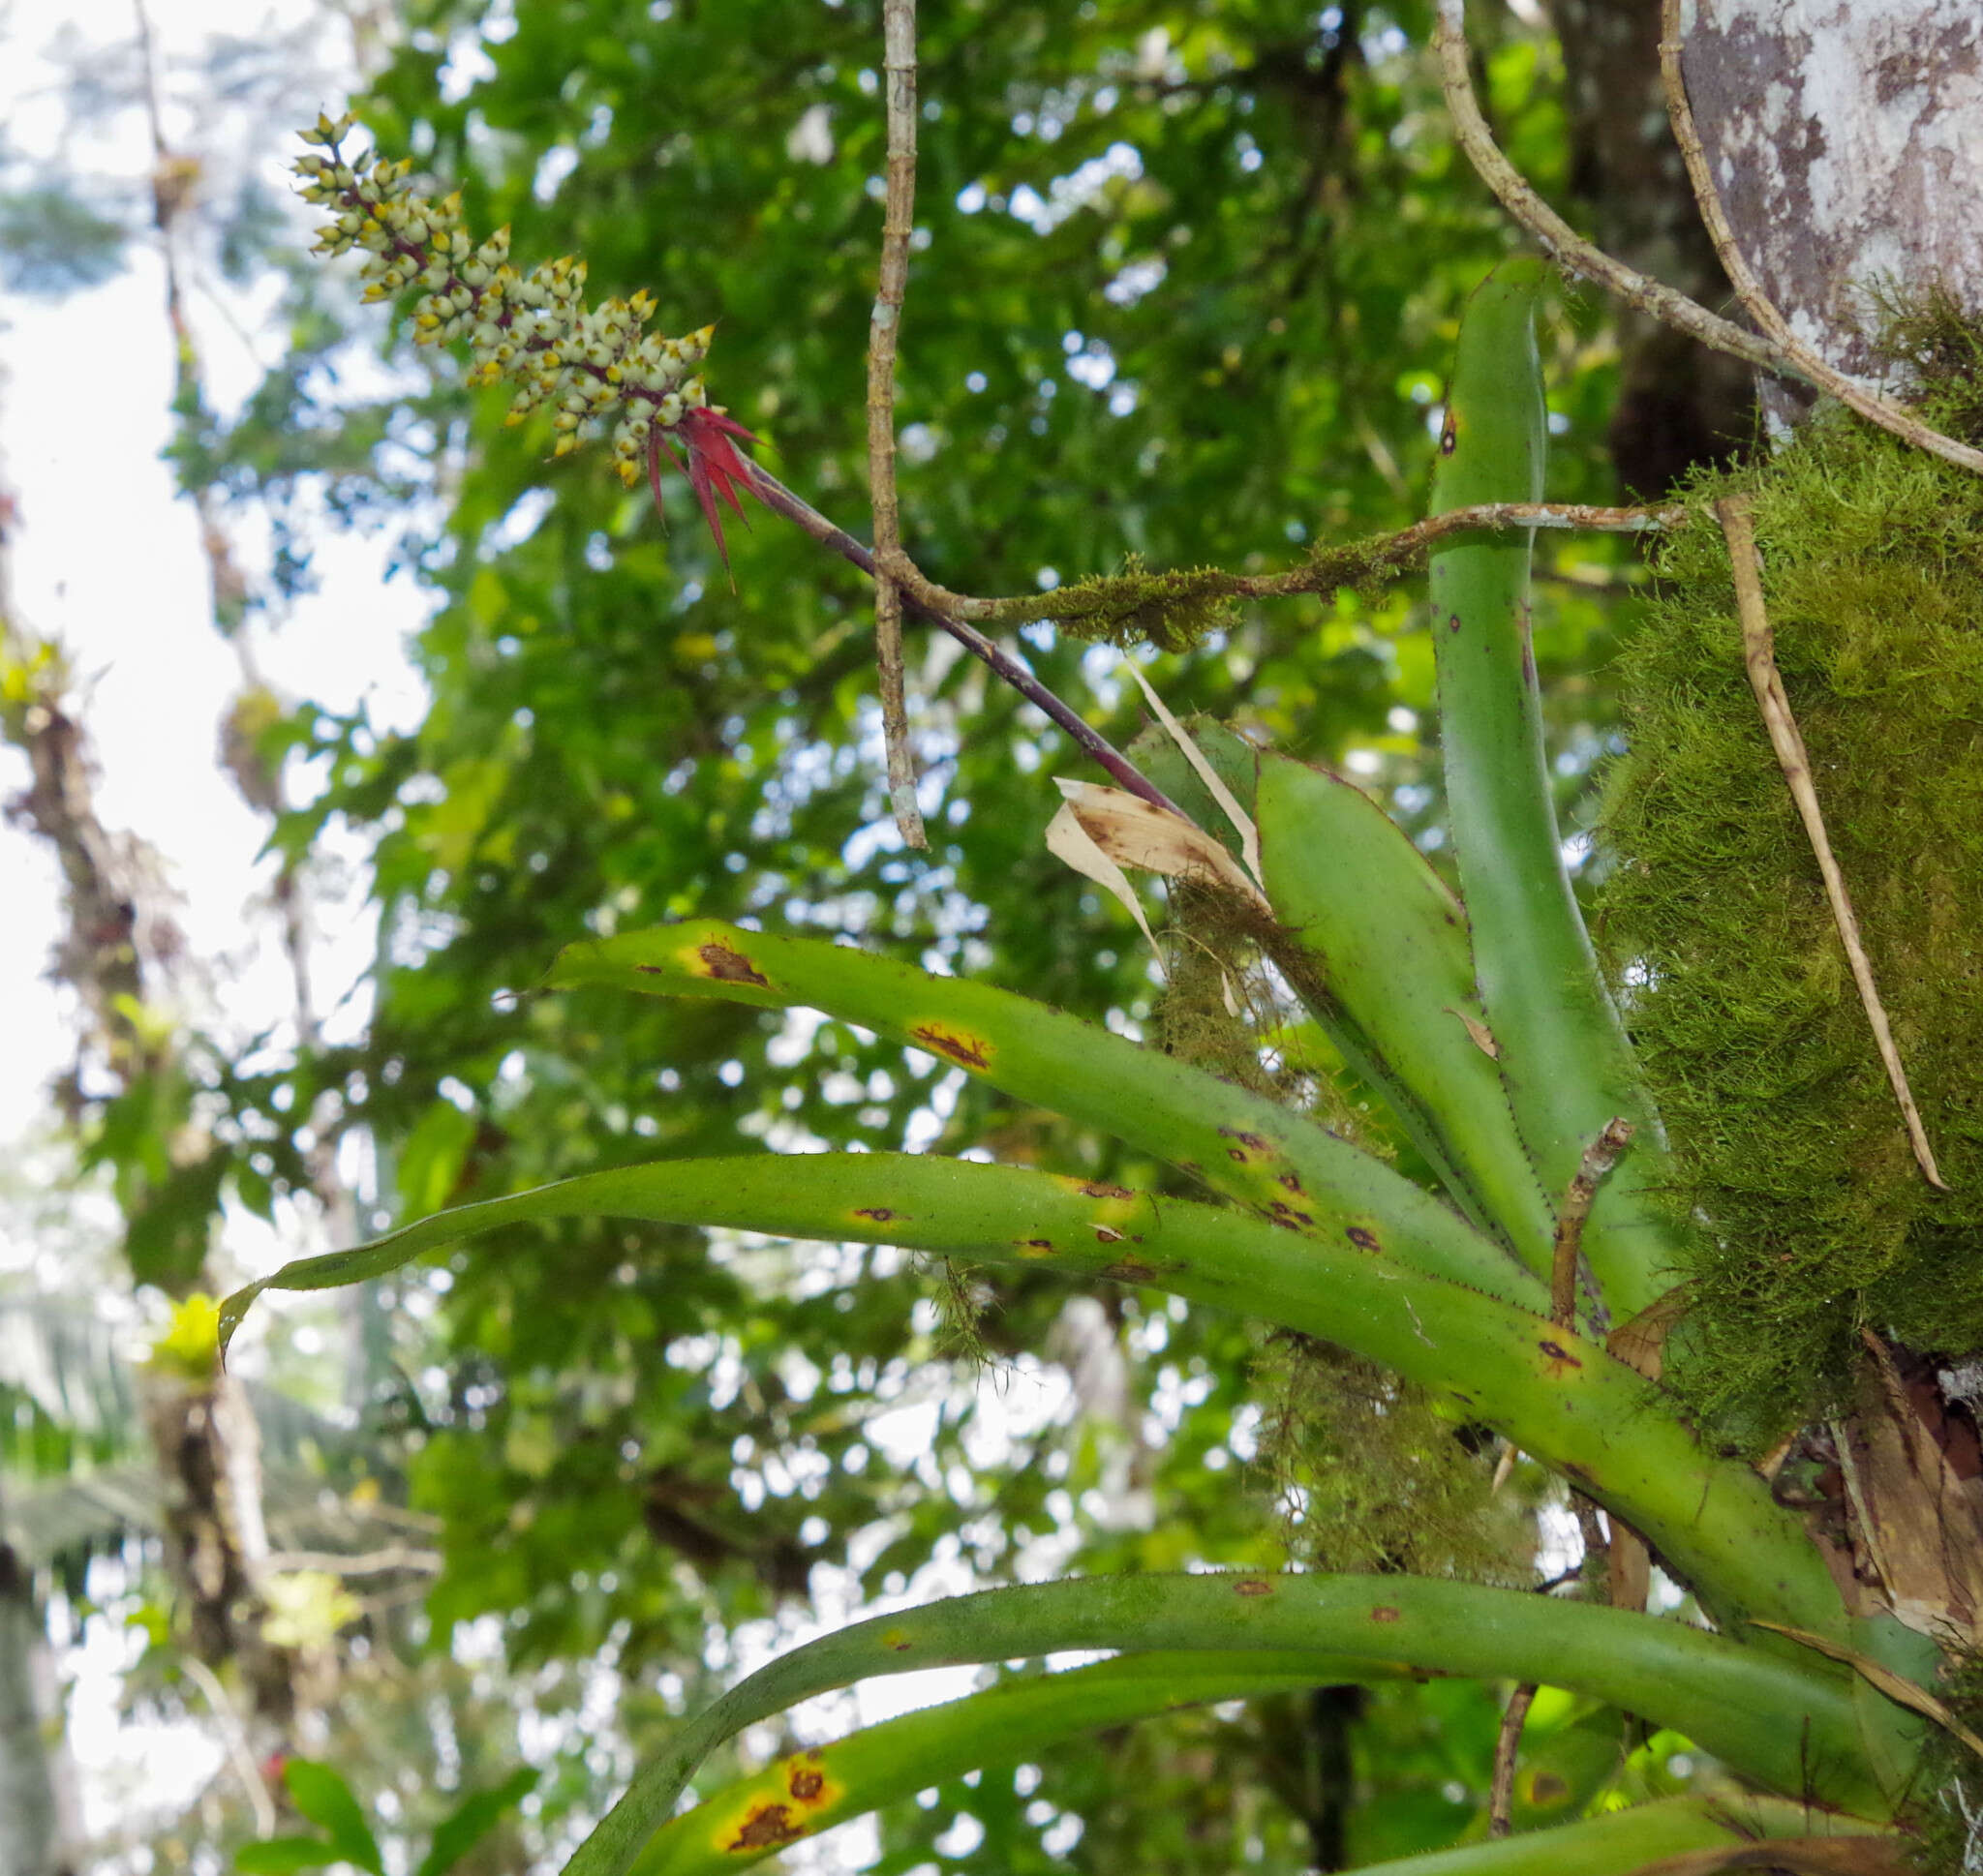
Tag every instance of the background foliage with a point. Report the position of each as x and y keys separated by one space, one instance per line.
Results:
x=1185 y=284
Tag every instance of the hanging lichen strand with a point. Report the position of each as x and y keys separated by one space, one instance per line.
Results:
x=593 y=368
x=1787 y=1138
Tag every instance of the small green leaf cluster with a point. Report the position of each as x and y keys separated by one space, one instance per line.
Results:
x=591 y=366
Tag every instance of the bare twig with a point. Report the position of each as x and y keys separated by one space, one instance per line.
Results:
x=1749 y=289
x=1560 y=241
x=234 y=1737
x=395 y=1557
x=1737 y=517
x=1501 y=1796
x=899 y=78
x=782 y=500
x=1773 y=349
x=1599 y=1156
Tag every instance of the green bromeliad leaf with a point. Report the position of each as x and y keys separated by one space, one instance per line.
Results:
x=1563 y=1052
x=1786 y=1728
x=1387 y=952
x=814 y=1790
x=1555 y=1394
x=1286 y=1168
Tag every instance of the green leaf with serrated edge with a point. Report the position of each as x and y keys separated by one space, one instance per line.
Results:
x=472 y=1819
x=322 y=1794
x=814 y=1790
x=1285 y=1166
x=1389 y=945
x=1767 y=1717
x=1622 y=1841
x=1564 y=1056
x=1555 y=1394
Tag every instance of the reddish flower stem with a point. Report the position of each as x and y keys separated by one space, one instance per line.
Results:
x=780 y=500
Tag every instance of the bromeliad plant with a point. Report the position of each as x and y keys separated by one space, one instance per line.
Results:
x=1526 y=1288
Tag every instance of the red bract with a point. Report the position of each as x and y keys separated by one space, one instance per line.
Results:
x=713 y=468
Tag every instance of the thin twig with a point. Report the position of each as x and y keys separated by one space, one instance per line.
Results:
x=782 y=500
x=1560 y=241
x=898 y=80
x=1501 y=1796
x=1749 y=289
x=1737 y=517
x=235 y=1738
x=1327 y=570
x=1598 y=1157
x=1773 y=349
x=394 y=1558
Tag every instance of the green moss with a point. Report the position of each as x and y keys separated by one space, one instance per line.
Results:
x=1173 y=610
x=1371 y=1475
x=1947 y=1817
x=1787 y=1137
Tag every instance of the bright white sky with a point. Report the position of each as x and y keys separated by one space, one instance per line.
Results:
x=108 y=562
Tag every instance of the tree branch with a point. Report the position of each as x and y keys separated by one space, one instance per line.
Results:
x=898 y=77
x=1327 y=570
x=782 y=500
x=1599 y=1156
x=1507 y=1742
x=1774 y=350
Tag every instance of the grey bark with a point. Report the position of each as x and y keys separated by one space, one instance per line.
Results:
x=30 y=1820
x=1845 y=138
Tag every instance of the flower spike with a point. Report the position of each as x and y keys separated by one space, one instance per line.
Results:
x=591 y=368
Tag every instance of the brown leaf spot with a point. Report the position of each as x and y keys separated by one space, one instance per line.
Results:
x=1453 y=621
x=1288 y=1182
x=1237 y=1153
x=1036 y=1246
x=1384 y=1613
x=1098 y=1188
x=967 y=1051
x=1448 y=434
x=728 y=965
x=880 y=1214
x=1548 y=1788
x=653 y=970
x=1252 y=1140
x=805 y=1784
x=1559 y=1357
x=1253 y=1585
x=1129 y=1270
x=1107 y=1234
x=1363 y=1238
x=766 y=1827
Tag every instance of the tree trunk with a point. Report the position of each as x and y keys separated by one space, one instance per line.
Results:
x=30 y=1828
x=1846 y=142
